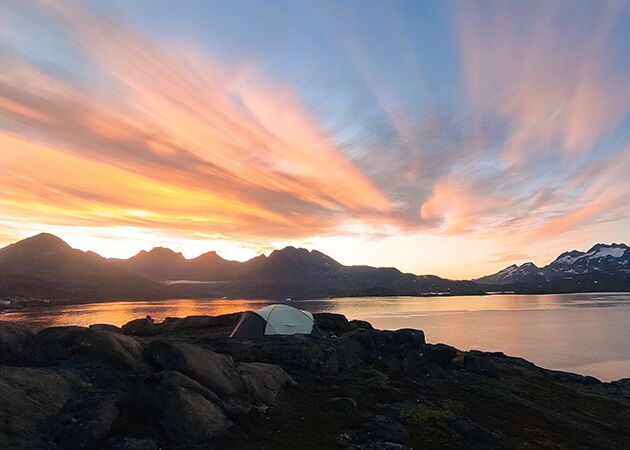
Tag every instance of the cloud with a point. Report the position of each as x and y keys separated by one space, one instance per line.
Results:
x=541 y=75
x=169 y=132
x=101 y=128
x=543 y=68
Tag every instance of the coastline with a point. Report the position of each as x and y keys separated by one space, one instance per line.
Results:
x=41 y=302
x=182 y=383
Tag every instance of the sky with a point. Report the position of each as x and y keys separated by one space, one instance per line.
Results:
x=451 y=138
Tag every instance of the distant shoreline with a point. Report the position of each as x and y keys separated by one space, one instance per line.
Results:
x=43 y=303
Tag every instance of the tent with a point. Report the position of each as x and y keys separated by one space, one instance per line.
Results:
x=274 y=319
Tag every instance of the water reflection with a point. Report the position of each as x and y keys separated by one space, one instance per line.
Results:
x=584 y=333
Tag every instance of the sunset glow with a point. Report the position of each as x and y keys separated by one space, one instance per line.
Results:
x=241 y=132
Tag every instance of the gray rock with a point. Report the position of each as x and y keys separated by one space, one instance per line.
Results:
x=360 y=325
x=472 y=433
x=128 y=443
x=85 y=420
x=479 y=362
x=14 y=339
x=342 y=404
x=381 y=428
x=335 y=323
x=142 y=327
x=440 y=354
x=216 y=372
x=188 y=413
x=263 y=381
x=71 y=345
x=105 y=327
x=29 y=397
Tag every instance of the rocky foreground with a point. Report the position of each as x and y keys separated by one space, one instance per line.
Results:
x=183 y=384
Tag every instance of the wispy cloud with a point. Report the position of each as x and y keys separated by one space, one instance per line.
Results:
x=542 y=73
x=102 y=128
x=190 y=143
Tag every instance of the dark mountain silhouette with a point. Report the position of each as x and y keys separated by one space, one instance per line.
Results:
x=289 y=272
x=604 y=267
x=44 y=266
x=163 y=264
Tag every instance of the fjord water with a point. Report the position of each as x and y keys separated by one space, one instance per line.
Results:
x=582 y=333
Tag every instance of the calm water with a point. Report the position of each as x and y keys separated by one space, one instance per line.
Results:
x=583 y=333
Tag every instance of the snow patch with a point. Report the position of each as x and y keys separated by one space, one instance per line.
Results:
x=603 y=252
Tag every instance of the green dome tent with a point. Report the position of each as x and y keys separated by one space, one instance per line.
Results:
x=273 y=320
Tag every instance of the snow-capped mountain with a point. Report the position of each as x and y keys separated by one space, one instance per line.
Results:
x=525 y=273
x=601 y=258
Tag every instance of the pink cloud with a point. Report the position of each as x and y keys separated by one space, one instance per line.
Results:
x=221 y=151
x=552 y=84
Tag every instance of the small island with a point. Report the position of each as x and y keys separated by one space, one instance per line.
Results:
x=183 y=383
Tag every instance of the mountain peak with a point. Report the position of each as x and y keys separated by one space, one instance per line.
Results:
x=301 y=254
x=159 y=253
x=289 y=249
x=41 y=243
x=208 y=257
x=599 y=246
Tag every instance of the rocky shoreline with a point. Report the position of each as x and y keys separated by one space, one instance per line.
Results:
x=183 y=384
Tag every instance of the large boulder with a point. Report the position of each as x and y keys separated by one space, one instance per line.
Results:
x=342 y=404
x=381 y=428
x=200 y=322
x=188 y=413
x=210 y=324
x=85 y=419
x=263 y=381
x=394 y=350
x=399 y=350
x=440 y=354
x=14 y=339
x=214 y=371
x=336 y=323
x=142 y=327
x=360 y=325
x=479 y=362
x=29 y=397
x=91 y=346
x=378 y=433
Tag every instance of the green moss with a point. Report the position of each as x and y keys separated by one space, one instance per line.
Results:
x=453 y=406
x=431 y=427
x=369 y=378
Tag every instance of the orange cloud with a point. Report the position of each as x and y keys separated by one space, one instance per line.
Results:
x=174 y=143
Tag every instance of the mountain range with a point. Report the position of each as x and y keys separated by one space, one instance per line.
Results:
x=603 y=267
x=46 y=267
